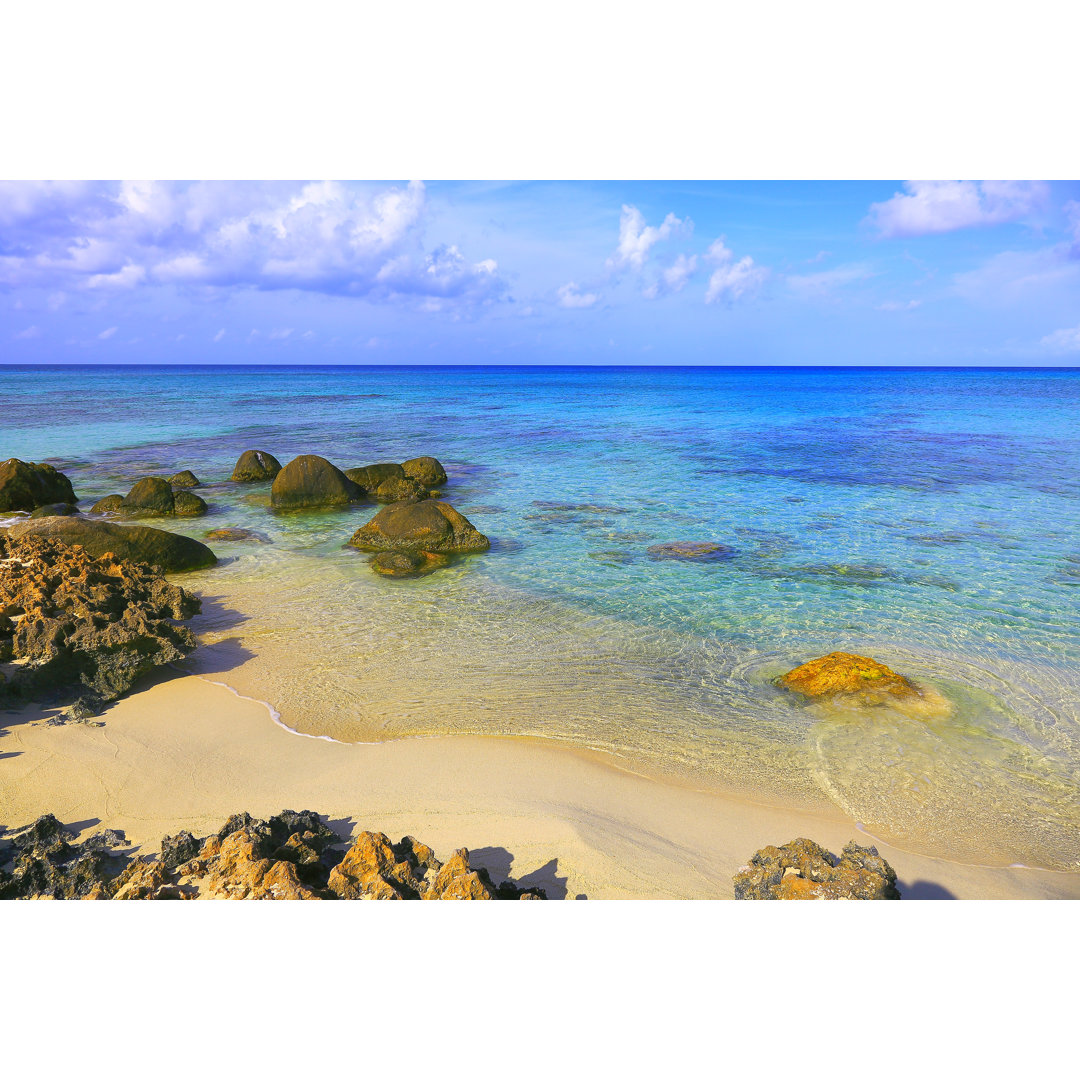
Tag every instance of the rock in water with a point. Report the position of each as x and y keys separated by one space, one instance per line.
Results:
x=310 y=481
x=427 y=470
x=55 y=510
x=421 y=526
x=139 y=543
x=255 y=465
x=407 y=563
x=231 y=534
x=111 y=504
x=188 y=504
x=25 y=485
x=698 y=550
x=185 y=479
x=151 y=495
x=803 y=870
x=369 y=477
x=846 y=673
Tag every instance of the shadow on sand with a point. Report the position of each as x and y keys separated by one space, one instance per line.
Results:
x=924 y=890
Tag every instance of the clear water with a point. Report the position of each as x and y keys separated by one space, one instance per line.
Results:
x=927 y=518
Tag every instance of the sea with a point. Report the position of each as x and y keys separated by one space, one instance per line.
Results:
x=928 y=518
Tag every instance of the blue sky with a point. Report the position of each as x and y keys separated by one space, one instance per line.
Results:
x=952 y=272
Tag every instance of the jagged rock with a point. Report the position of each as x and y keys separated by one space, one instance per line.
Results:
x=55 y=510
x=431 y=525
x=803 y=870
x=96 y=623
x=139 y=543
x=427 y=470
x=456 y=880
x=407 y=563
x=371 y=870
x=230 y=534
x=26 y=485
x=185 y=479
x=178 y=849
x=698 y=551
x=111 y=504
x=311 y=481
x=846 y=673
x=188 y=504
x=255 y=465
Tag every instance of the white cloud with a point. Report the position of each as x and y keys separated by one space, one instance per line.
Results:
x=106 y=334
x=219 y=335
x=1021 y=277
x=937 y=206
x=281 y=334
x=636 y=238
x=732 y=280
x=1063 y=341
x=679 y=272
x=126 y=278
x=825 y=281
x=27 y=334
x=899 y=305
x=571 y=297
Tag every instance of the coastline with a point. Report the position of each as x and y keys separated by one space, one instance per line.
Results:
x=186 y=752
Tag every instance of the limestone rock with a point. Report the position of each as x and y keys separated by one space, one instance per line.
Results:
x=255 y=465
x=803 y=870
x=311 y=481
x=427 y=470
x=431 y=525
x=25 y=485
x=846 y=673
x=137 y=543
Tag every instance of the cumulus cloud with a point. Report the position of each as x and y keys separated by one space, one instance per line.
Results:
x=825 y=281
x=636 y=238
x=106 y=334
x=938 y=206
x=27 y=334
x=1021 y=276
x=732 y=279
x=1063 y=341
x=572 y=297
x=326 y=237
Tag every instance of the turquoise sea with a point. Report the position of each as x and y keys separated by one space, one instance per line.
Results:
x=925 y=517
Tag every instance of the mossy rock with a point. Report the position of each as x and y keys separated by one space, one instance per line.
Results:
x=255 y=465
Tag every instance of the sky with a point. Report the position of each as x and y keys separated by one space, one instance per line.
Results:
x=412 y=272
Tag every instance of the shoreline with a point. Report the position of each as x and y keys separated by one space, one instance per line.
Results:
x=188 y=751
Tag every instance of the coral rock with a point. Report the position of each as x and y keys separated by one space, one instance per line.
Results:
x=846 y=673
x=803 y=870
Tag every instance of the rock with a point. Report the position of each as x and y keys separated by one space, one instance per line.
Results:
x=255 y=465
x=310 y=481
x=699 y=551
x=187 y=504
x=111 y=504
x=803 y=870
x=55 y=510
x=846 y=673
x=457 y=881
x=138 y=543
x=185 y=479
x=369 y=477
x=398 y=490
x=427 y=470
x=406 y=563
x=372 y=870
x=151 y=495
x=230 y=534
x=25 y=485
x=431 y=525
x=94 y=622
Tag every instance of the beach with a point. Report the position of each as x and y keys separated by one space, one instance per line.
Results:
x=186 y=753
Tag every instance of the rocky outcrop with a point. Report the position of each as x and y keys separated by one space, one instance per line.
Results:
x=842 y=673
x=152 y=496
x=255 y=465
x=803 y=870
x=432 y=526
x=312 y=481
x=696 y=550
x=25 y=485
x=427 y=470
x=138 y=543
x=291 y=856
x=89 y=625
x=185 y=479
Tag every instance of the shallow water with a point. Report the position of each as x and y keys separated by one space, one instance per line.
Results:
x=926 y=518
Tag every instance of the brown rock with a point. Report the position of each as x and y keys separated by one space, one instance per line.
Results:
x=846 y=673
x=310 y=481
x=803 y=870
x=188 y=504
x=185 y=479
x=407 y=564
x=457 y=881
x=111 y=504
x=431 y=525
x=235 y=534
x=699 y=551
x=255 y=465
x=151 y=495
x=427 y=470
x=371 y=870
x=369 y=477
x=26 y=485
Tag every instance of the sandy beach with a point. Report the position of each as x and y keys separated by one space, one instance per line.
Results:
x=186 y=752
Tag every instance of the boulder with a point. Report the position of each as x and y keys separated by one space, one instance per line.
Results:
x=369 y=477
x=231 y=534
x=254 y=465
x=427 y=470
x=111 y=504
x=138 y=543
x=803 y=870
x=25 y=485
x=431 y=525
x=399 y=490
x=842 y=673
x=698 y=551
x=188 y=504
x=185 y=479
x=152 y=496
x=311 y=481
x=55 y=510
x=407 y=563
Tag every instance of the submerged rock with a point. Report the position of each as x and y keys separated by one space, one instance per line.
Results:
x=698 y=551
x=138 y=543
x=407 y=563
x=185 y=479
x=312 y=481
x=231 y=534
x=55 y=510
x=255 y=465
x=431 y=525
x=803 y=870
x=846 y=673
x=427 y=470
x=26 y=485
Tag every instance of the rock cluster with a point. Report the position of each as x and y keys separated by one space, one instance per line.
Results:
x=291 y=856
x=803 y=870
x=139 y=543
x=388 y=483
x=90 y=624
x=842 y=673
x=153 y=496
x=25 y=485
